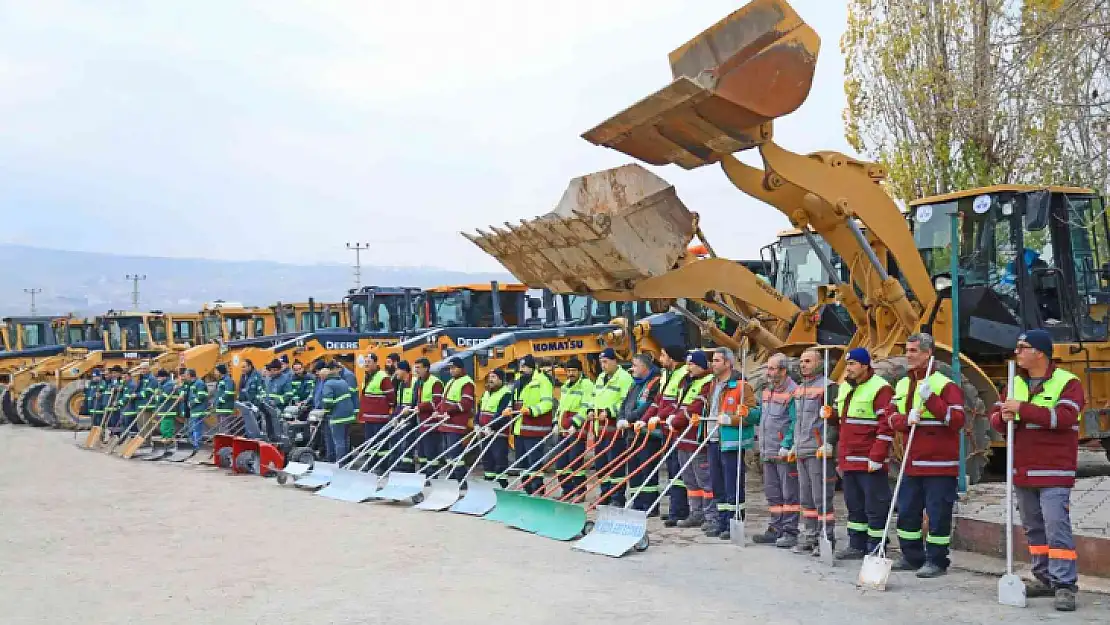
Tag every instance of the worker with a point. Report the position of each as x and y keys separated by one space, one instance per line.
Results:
x=377 y=399
x=609 y=392
x=224 y=401
x=114 y=401
x=348 y=377
x=935 y=404
x=672 y=378
x=391 y=361
x=169 y=405
x=534 y=403
x=685 y=423
x=280 y=389
x=732 y=403
x=458 y=405
x=574 y=398
x=94 y=390
x=128 y=400
x=497 y=397
x=428 y=394
x=863 y=403
x=406 y=400
x=303 y=384
x=336 y=401
x=1046 y=409
x=250 y=383
x=645 y=386
x=196 y=403
x=146 y=386
x=777 y=415
x=813 y=407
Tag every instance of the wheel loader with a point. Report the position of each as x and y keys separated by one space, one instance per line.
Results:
x=309 y=316
x=38 y=342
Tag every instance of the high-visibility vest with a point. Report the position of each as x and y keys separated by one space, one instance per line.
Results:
x=492 y=399
x=610 y=391
x=574 y=398
x=407 y=391
x=374 y=384
x=672 y=380
x=1050 y=393
x=453 y=392
x=426 y=394
x=863 y=400
x=937 y=381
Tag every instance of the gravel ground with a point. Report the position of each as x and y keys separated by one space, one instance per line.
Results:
x=93 y=538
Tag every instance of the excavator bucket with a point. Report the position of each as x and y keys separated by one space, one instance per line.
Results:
x=730 y=81
x=610 y=230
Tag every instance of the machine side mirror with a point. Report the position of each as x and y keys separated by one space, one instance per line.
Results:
x=1037 y=204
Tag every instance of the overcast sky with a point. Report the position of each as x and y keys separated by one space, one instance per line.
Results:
x=281 y=129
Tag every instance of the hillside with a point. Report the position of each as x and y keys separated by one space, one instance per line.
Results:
x=90 y=283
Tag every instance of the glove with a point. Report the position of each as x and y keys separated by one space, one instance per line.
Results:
x=914 y=417
x=825 y=451
x=622 y=424
x=525 y=412
x=826 y=412
x=670 y=421
x=487 y=430
x=653 y=422
x=638 y=425
x=508 y=412
x=924 y=391
x=873 y=466
x=743 y=411
x=695 y=419
x=724 y=419
x=784 y=452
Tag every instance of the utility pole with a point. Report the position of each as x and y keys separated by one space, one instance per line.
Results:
x=33 y=293
x=358 y=247
x=135 y=278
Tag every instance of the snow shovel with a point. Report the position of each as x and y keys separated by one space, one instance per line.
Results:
x=824 y=545
x=619 y=530
x=736 y=524
x=1011 y=590
x=479 y=497
x=507 y=506
x=95 y=436
x=443 y=493
x=349 y=479
x=404 y=485
x=115 y=439
x=135 y=429
x=876 y=566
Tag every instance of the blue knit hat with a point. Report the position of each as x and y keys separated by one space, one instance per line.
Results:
x=698 y=358
x=860 y=355
x=1039 y=340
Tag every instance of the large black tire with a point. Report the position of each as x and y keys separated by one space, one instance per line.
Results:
x=67 y=406
x=8 y=407
x=3 y=419
x=44 y=404
x=27 y=405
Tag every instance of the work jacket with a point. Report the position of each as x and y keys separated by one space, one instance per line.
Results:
x=810 y=397
x=695 y=401
x=336 y=400
x=936 y=444
x=538 y=396
x=376 y=401
x=574 y=399
x=458 y=403
x=777 y=416
x=865 y=432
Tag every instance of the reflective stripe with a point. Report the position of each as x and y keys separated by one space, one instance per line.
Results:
x=1048 y=473
x=1038 y=550
x=534 y=428
x=935 y=463
x=1062 y=554
x=857 y=459
x=874 y=533
x=867 y=422
x=938 y=540
x=932 y=423
x=856 y=527
x=1052 y=418
x=884 y=437
x=907 y=535
x=1069 y=403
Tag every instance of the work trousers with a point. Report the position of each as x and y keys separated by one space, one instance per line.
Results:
x=1045 y=515
x=698 y=489
x=678 y=505
x=614 y=470
x=934 y=495
x=97 y=416
x=817 y=486
x=571 y=468
x=728 y=490
x=645 y=479
x=369 y=431
x=167 y=427
x=336 y=440
x=430 y=447
x=780 y=486
x=196 y=429
x=496 y=459
x=454 y=458
x=528 y=452
x=867 y=497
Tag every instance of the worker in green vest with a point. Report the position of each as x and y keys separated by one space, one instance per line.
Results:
x=574 y=398
x=495 y=401
x=534 y=404
x=609 y=392
x=458 y=405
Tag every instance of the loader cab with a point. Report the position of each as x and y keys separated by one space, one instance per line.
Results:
x=310 y=317
x=476 y=305
x=795 y=269
x=1028 y=257
x=377 y=309
x=29 y=332
x=133 y=331
x=70 y=331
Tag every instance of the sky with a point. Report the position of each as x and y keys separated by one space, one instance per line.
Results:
x=283 y=129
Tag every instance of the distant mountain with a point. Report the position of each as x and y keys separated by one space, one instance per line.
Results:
x=88 y=283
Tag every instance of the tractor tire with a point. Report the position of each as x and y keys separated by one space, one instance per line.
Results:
x=977 y=426
x=27 y=405
x=303 y=455
x=68 y=405
x=8 y=407
x=44 y=404
x=3 y=419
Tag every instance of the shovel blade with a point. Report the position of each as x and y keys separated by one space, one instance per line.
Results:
x=442 y=495
x=549 y=518
x=736 y=532
x=616 y=531
x=478 y=500
x=350 y=486
x=875 y=572
x=296 y=469
x=507 y=508
x=402 y=486
x=92 y=439
x=826 y=547
x=1011 y=591
x=318 y=477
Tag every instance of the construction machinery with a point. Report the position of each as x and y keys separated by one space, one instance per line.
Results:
x=230 y=321
x=37 y=342
x=309 y=316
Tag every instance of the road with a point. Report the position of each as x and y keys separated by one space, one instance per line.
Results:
x=101 y=540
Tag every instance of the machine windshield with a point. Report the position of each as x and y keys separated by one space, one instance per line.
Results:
x=378 y=313
x=135 y=330
x=800 y=271
x=34 y=335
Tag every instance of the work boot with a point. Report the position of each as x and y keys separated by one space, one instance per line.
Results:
x=725 y=535
x=1035 y=588
x=713 y=532
x=786 y=541
x=691 y=521
x=904 y=565
x=849 y=553
x=930 y=571
x=1065 y=600
x=669 y=522
x=769 y=537
x=804 y=547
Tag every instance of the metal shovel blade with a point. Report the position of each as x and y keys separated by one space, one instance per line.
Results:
x=1011 y=591
x=402 y=487
x=352 y=486
x=478 y=500
x=442 y=495
x=826 y=550
x=506 y=509
x=181 y=455
x=319 y=476
x=549 y=518
x=296 y=469
x=616 y=531
x=875 y=572
x=736 y=532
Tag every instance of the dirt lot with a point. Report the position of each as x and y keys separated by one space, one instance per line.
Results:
x=100 y=540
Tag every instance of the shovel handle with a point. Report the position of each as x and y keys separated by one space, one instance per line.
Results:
x=581 y=460
x=566 y=449
x=614 y=464
x=636 y=493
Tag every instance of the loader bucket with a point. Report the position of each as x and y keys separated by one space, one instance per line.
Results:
x=616 y=531
x=610 y=230
x=352 y=486
x=442 y=495
x=549 y=518
x=319 y=476
x=402 y=487
x=730 y=81
x=509 y=509
x=478 y=500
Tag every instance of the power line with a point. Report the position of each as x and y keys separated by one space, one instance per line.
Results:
x=358 y=247
x=135 y=278
x=33 y=292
